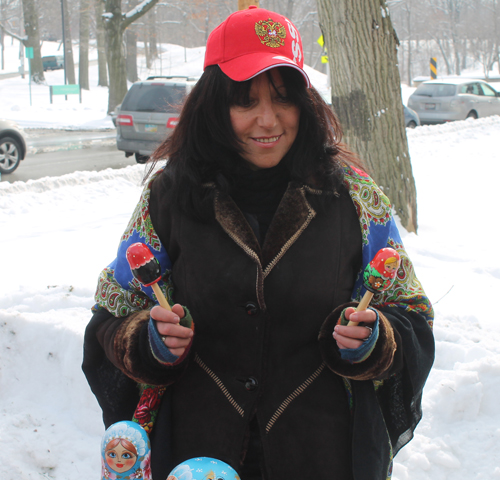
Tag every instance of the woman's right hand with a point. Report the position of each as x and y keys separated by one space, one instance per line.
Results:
x=174 y=336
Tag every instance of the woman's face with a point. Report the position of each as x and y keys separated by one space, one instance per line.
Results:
x=268 y=125
x=120 y=459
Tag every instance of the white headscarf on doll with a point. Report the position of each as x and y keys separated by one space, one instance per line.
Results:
x=137 y=436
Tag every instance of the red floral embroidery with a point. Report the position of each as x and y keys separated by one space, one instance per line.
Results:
x=148 y=404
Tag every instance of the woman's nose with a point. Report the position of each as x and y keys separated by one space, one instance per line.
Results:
x=267 y=116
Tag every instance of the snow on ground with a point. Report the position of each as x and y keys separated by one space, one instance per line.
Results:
x=57 y=233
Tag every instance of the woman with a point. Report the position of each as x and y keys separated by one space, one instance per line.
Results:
x=262 y=222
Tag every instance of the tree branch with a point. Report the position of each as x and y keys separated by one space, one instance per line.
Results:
x=137 y=12
x=12 y=34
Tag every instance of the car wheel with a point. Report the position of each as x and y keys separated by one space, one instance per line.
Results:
x=411 y=124
x=10 y=154
x=141 y=158
x=472 y=114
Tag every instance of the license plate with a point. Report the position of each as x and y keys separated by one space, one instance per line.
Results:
x=151 y=128
x=430 y=106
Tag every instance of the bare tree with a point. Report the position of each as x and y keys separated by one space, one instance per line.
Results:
x=69 y=62
x=484 y=41
x=115 y=23
x=151 y=37
x=101 y=44
x=33 y=40
x=83 y=61
x=7 y=18
x=453 y=15
x=131 y=46
x=366 y=95
x=131 y=54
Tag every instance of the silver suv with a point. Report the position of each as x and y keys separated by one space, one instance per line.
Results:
x=438 y=101
x=149 y=113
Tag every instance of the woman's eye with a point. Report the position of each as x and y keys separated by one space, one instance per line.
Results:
x=281 y=99
x=247 y=104
x=127 y=455
x=112 y=454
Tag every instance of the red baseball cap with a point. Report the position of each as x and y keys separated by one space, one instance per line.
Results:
x=252 y=41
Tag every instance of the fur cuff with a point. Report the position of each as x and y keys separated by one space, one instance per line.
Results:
x=126 y=344
x=374 y=366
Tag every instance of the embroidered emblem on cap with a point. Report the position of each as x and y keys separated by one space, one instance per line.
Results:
x=271 y=34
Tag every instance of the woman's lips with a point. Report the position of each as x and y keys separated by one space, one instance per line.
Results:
x=266 y=140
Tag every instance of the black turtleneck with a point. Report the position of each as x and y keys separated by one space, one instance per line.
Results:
x=258 y=194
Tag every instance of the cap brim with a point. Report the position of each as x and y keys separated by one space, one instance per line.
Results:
x=248 y=66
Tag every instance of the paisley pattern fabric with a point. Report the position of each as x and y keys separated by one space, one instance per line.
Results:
x=379 y=230
x=121 y=294
x=118 y=291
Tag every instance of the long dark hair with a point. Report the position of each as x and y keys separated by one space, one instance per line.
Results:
x=203 y=148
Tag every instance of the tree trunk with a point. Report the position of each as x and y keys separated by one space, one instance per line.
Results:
x=101 y=44
x=147 y=52
x=153 y=48
x=456 y=48
x=366 y=95
x=83 y=61
x=131 y=44
x=409 y=20
x=68 y=47
x=445 y=56
x=115 y=25
x=31 y=27
x=131 y=38
x=115 y=54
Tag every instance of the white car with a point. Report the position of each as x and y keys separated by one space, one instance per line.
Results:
x=12 y=146
x=438 y=101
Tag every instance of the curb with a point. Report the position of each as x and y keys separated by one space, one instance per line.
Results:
x=44 y=140
x=33 y=149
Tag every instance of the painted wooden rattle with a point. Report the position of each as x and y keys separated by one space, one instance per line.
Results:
x=146 y=268
x=378 y=276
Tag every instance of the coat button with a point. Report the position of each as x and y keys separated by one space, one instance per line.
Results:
x=251 y=384
x=251 y=309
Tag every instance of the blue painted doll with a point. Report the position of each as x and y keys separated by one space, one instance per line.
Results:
x=203 y=468
x=126 y=452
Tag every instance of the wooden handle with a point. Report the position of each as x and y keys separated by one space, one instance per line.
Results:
x=160 y=297
x=365 y=301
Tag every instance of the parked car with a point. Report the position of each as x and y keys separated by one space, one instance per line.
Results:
x=438 y=101
x=53 y=62
x=149 y=113
x=411 y=117
x=12 y=146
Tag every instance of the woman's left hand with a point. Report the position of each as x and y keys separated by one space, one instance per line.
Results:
x=354 y=336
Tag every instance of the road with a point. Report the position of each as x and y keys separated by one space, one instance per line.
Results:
x=51 y=164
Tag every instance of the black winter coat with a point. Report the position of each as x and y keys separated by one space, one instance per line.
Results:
x=263 y=346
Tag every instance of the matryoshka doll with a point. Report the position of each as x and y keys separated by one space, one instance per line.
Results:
x=125 y=452
x=203 y=468
x=380 y=273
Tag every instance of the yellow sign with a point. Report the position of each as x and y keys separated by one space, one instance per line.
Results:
x=321 y=41
x=324 y=58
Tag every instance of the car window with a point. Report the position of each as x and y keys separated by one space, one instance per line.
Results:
x=153 y=98
x=435 y=90
x=487 y=90
x=471 y=89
